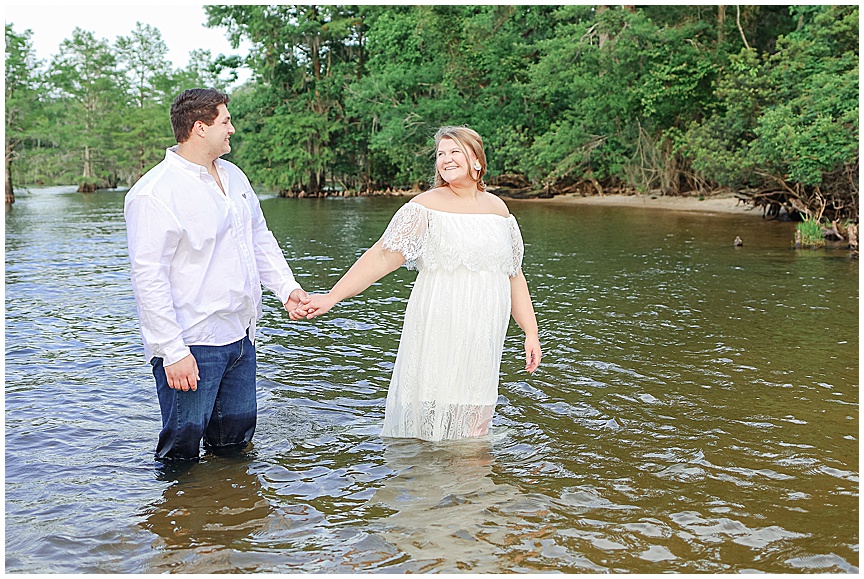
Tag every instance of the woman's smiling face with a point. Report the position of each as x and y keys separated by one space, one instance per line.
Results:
x=451 y=162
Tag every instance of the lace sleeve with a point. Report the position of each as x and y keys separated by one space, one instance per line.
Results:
x=517 y=245
x=407 y=233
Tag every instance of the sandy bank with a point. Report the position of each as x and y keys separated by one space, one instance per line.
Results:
x=719 y=204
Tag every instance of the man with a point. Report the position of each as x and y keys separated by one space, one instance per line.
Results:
x=200 y=250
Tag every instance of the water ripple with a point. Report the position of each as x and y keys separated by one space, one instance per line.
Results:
x=690 y=415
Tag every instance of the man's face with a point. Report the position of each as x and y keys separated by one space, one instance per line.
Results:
x=219 y=133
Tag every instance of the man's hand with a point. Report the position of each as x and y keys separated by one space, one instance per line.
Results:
x=183 y=375
x=297 y=298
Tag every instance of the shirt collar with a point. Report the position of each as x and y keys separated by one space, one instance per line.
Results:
x=172 y=157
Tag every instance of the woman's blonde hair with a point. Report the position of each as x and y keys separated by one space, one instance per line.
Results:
x=464 y=138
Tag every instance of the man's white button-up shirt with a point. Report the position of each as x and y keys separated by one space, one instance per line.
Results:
x=199 y=257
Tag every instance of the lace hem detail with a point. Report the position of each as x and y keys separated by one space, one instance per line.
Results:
x=433 y=421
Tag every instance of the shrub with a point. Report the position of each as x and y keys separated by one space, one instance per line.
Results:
x=811 y=233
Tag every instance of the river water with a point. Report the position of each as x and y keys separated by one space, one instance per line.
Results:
x=696 y=409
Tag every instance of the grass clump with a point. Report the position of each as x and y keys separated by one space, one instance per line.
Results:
x=810 y=233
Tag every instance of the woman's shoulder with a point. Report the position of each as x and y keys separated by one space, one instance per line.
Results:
x=440 y=199
x=498 y=205
x=430 y=199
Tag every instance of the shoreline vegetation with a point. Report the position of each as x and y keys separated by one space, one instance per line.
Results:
x=718 y=201
x=573 y=101
x=723 y=201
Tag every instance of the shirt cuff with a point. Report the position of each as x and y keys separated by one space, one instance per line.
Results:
x=174 y=352
x=285 y=292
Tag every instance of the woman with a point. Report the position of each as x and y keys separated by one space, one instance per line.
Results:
x=468 y=251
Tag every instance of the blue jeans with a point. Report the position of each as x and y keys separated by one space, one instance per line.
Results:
x=223 y=410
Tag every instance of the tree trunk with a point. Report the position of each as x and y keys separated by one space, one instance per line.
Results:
x=313 y=186
x=141 y=152
x=88 y=166
x=10 y=193
x=721 y=20
x=87 y=185
x=360 y=50
x=740 y=29
x=315 y=48
x=603 y=37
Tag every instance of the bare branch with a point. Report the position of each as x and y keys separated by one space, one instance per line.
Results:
x=741 y=30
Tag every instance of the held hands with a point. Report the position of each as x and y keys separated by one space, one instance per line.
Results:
x=317 y=305
x=296 y=299
x=183 y=375
x=532 y=354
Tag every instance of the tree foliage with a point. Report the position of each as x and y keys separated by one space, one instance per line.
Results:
x=97 y=114
x=23 y=109
x=142 y=59
x=668 y=99
x=788 y=121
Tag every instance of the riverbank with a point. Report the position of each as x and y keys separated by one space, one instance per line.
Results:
x=726 y=203
x=719 y=204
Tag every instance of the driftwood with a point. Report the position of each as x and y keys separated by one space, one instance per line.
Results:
x=832 y=233
x=852 y=231
x=837 y=201
x=835 y=205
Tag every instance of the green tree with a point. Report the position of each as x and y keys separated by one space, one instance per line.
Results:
x=785 y=124
x=397 y=105
x=661 y=98
x=23 y=85
x=145 y=130
x=811 y=127
x=93 y=91
x=720 y=144
x=619 y=88
x=201 y=71
x=298 y=59
x=435 y=65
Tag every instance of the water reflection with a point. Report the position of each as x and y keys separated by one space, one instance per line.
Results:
x=452 y=511
x=443 y=499
x=210 y=510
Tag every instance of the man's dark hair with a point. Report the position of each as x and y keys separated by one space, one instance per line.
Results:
x=195 y=104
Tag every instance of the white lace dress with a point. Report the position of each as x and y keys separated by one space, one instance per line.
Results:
x=445 y=380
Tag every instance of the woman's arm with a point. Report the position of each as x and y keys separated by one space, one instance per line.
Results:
x=522 y=311
x=374 y=264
